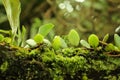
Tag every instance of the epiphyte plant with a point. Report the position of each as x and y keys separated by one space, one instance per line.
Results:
x=40 y=36
x=13 y=9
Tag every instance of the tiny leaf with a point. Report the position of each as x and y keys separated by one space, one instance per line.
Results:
x=47 y=42
x=56 y=42
x=117 y=29
x=31 y=43
x=84 y=43
x=45 y=29
x=110 y=47
x=117 y=40
x=38 y=38
x=106 y=38
x=73 y=38
x=63 y=43
x=93 y=40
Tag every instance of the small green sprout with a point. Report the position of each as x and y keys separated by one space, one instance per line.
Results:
x=93 y=40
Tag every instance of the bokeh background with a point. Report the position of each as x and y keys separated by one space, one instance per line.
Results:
x=86 y=16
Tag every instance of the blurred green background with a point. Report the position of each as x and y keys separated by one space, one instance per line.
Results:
x=86 y=16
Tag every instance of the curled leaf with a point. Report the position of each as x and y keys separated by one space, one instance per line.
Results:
x=84 y=43
x=63 y=43
x=31 y=43
x=47 y=42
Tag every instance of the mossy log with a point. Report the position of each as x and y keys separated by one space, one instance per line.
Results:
x=44 y=63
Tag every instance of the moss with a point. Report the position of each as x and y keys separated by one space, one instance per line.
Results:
x=42 y=63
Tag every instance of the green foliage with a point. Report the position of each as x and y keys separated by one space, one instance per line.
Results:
x=63 y=43
x=21 y=37
x=84 y=43
x=38 y=38
x=73 y=38
x=117 y=40
x=35 y=27
x=106 y=38
x=1 y=37
x=55 y=60
x=110 y=47
x=93 y=40
x=45 y=29
x=13 y=9
x=58 y=63
x=46 y=41
x=7 y=40
x=56 y=44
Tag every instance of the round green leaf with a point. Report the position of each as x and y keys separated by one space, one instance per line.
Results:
x=73 y=38
x=38 y=38
x=93 y=40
